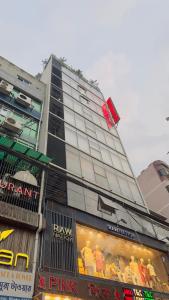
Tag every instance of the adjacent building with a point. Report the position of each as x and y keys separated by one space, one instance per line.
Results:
x=74 y=224
x=21 y=171
x=154 y=184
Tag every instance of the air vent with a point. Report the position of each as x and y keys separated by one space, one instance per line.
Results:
x=12 y=125
x=23 y=100
x=6 y=87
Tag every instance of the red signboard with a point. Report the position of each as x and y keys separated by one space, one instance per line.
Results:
x=110 y=113
x=113 y=111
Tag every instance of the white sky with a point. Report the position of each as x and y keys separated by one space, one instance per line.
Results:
x=124 y=44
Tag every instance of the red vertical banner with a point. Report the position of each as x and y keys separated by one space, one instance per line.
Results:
x=107 y=116
x=113 y=110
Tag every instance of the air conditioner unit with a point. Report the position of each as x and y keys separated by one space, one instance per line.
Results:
x=23 y=100
x=6 y=87
x=12 y=125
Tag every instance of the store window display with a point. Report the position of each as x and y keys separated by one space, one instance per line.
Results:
x=115 y=258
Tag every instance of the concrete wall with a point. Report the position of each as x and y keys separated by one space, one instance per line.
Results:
x=10 y=72
x=154 y=190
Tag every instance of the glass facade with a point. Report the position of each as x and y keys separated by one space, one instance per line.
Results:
x=110 y=257
x=93 y=152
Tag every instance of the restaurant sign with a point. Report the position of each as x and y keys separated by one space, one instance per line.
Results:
x=16 y=284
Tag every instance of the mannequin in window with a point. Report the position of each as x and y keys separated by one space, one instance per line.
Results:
x=100 y=261
x=152 y=273
x=88 y=259
x=143 y=272
x=134 y=271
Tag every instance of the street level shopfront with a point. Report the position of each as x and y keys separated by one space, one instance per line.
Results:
x=98 y=260
x=16 y=263
x=51 y=286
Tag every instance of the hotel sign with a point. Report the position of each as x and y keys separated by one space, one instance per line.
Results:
x=16 y=284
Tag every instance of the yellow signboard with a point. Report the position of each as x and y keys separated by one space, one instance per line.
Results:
x=8 y=257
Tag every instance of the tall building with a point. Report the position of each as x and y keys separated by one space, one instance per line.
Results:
x=100 y=239
x=154 y=184
x=74 y=224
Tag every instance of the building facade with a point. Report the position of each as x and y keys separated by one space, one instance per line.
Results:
x=74 y=224
x=154 y=184
x=21 y=172
x=100 y=239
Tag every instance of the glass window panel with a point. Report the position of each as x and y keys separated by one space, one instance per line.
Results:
x=66 y=88
x=83 y=142
x=103 y=124
x=125 y=188
x=110 y=140
x=116 y=161
x=73 y=162
x=75 y=94
x=87 y=169
x=89 y=125
x=126 y=167
x=100 y=135
x=96 y=119
x=102 y=181
x=70 y=135
x=118 y=145
x=69 y=116
x=95 y=153
x=113 y=182
x=80 y=122
x=91 y=133
x=84 y=100
x=78 y=107
x=94 y=144
x=67 y=100
x=87 y=113
x=106 y=156
x=136 y=193
x=98 y=169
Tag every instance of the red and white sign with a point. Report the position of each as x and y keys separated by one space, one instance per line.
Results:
x=110 y=113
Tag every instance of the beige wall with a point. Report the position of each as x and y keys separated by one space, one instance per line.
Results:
x=154 y=191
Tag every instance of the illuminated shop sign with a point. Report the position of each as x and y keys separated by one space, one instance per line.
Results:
x=103 y=292
x=62 y=233
x=121 y=231
x=14 y=188
x=49 y=283
x=138 y=294
x=58 y=284
x=8 y=257
x=15 y=283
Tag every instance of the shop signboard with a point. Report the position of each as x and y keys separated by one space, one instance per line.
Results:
x=16 y=284
x=54 y=286
x=65 y=285
x=16 y=246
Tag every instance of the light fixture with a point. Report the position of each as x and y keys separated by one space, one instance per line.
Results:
x=25 y=176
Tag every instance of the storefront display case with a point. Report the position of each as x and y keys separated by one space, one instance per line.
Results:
x=110 y=257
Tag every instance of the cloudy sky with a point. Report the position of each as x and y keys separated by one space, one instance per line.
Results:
x=124 y=44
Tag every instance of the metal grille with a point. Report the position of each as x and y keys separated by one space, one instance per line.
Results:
x=58 y=249
x=14 y=191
